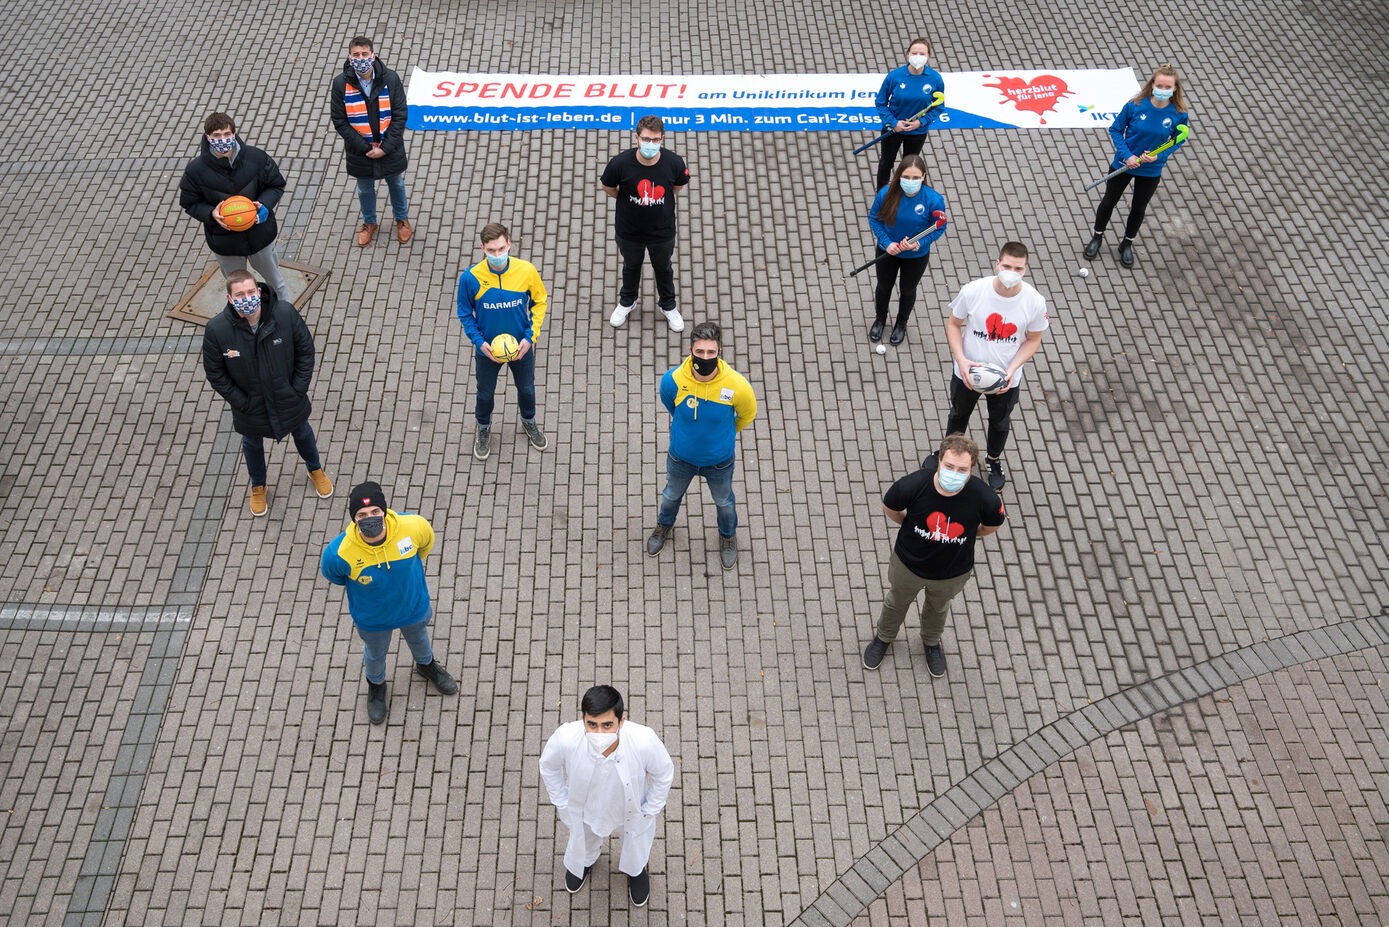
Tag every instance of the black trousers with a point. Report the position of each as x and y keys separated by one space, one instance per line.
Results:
x=962 y=403
x=887 y=156
x=906 y=273
x=1143 y=190
x=633 y=255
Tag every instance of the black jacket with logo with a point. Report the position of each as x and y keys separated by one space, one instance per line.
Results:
x=355 y=145
x=264 y=375
x=209 y=179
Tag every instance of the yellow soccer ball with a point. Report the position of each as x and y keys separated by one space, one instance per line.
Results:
x=505 y=348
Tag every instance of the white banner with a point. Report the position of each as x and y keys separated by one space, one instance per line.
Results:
x=1054 y=99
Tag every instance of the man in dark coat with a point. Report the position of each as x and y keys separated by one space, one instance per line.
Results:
x=258 y=354
x=369 y=113
x=228 y=167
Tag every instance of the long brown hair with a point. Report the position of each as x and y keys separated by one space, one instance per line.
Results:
x=1165 y=70
x=888 y=211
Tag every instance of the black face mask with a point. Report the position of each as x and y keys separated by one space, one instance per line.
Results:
x=371 y=527
x=704 y=365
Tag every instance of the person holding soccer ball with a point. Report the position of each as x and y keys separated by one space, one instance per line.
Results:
x=1146 y=122
x=902 y=210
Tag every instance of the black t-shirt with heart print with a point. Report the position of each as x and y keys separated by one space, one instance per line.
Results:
x=936 y=540
x=646 y=195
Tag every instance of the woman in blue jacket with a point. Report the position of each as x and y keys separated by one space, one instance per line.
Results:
x=904 y=208
x=1145 y=123
x=906 y=91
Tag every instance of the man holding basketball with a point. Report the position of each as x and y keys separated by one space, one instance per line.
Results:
x=709 y=403
x=998 y=320
x=502 y=295
x=942 y=509
x=228 y=167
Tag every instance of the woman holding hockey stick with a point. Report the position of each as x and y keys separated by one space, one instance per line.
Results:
x=906 y=91
x=903 y=209
x=1145 y=123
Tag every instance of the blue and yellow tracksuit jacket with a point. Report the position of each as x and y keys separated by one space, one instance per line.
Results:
x=491 y=303
x=385 y=582
x=707 y=416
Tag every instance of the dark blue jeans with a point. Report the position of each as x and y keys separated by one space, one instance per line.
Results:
x=522 y=372
x=253 y=449
x=680 y=474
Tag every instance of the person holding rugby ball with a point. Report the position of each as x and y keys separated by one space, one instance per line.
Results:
x=905 y=92
x=904 y=208
x=1145 y=123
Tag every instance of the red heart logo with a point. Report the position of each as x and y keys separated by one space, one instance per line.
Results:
x=942 y=528
x=1039 y=95
x=998 y=329
x=649 y=193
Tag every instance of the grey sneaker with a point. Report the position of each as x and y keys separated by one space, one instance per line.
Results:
x=875 y=651
x=657 y=540
x=482 y=447
x=538 y=439
x=935 y=660
x=728 y=552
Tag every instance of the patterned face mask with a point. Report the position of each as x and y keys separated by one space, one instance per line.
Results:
x=221 y=145
x=247 y=305
x=363 y=65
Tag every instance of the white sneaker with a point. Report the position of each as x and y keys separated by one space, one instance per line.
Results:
x=676 y=320
x=620 y=314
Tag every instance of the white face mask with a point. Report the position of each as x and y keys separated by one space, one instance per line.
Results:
x=918 y=61
x=601 y=741
x=1009 y=278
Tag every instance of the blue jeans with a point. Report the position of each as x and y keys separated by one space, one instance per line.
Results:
x=720 y=480
x=253 y=449
x=522 y=371
x=366 y=197
x=376 y=644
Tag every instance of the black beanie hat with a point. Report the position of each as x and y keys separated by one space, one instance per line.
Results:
x=365 y=495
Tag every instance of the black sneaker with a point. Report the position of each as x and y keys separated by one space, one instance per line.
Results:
x=657 y=540
x=376 y=702
x=935 y=660
x=875 y=333
x=874 y=652
x=482 y=445
x=996 y=477
x=439 y=676
x=639 y=887
x=573 y=883
x=1092 y=250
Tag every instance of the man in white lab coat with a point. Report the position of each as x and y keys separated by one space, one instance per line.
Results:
x=605 y=773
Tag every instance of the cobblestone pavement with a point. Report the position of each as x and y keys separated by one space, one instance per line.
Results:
x=1197 y=467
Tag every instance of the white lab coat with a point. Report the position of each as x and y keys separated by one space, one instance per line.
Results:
x=644 y=774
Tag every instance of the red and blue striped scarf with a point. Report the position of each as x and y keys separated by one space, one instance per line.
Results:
x=357 y=111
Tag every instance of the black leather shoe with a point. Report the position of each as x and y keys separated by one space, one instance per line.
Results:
x=657 y=540
x=876 y=332
x=376 y=702
x=899 y=333
x=436 y=674
x=1093 y=249
x=1126 y=253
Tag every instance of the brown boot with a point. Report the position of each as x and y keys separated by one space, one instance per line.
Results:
x=321 y=484
x=366 y=233
x=404 y=230
x=258 y=504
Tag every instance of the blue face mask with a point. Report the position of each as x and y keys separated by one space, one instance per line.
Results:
x=498 y=261
x=363 y=66
x=649 y=149
x=910 y=187
x=1162 y=94
x=221 y=145
x=247 y=305
x=952 y=480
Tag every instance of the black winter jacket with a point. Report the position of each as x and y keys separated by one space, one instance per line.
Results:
x=355 y=145
x=209 y=179
x=264 y=375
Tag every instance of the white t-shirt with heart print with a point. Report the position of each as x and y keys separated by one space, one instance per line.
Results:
x=995 y=326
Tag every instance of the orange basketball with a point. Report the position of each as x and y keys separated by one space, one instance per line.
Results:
x=239 y=213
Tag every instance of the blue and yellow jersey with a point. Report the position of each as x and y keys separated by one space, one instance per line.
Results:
x=706 y=415
x=511 y=302
x=385 y=582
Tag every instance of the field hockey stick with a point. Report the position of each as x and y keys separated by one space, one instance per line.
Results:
x=913 y=240
x=1173 y=142
x=937 y=100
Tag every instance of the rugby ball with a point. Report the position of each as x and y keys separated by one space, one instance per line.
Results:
x=987 y=378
